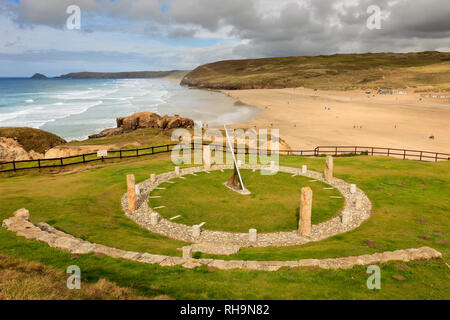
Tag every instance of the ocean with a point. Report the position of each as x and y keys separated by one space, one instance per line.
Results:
x=76 y=108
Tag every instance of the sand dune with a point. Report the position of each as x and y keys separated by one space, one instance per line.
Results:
x=308 y=118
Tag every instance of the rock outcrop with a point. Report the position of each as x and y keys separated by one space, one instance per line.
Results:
x=39 y=76
x=144 y=120
x=152 y=120
x=22 y=143
x=11 y=150
x=107 y=133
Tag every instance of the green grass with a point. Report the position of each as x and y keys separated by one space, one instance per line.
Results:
x=86 y=204
x=272 y=206
x=335 y=72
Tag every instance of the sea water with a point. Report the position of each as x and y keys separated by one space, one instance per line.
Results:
x=77 y=108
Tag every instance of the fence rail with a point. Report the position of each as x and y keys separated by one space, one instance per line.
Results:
x=133 y=153
x=404 y=154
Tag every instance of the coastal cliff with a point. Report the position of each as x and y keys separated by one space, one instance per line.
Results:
x=334 y=72
x=124 y=75
x=17 y=143
x=144 y=120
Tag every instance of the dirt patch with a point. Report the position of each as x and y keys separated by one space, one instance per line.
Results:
x=398 y=277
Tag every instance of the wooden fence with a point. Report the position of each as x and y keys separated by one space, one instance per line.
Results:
x=83 y=158
x=337 y=151
x=377 y=151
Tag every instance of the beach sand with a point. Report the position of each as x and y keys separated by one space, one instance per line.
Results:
x=308 y=118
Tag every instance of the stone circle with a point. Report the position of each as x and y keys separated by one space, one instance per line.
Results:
x=219 y=242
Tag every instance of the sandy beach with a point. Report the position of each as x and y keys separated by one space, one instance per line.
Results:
x=308 y=118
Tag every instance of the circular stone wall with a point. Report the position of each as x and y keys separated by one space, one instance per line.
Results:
x=272 y=206
x=353 y=216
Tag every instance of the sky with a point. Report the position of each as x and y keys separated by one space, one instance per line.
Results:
x=138 y=35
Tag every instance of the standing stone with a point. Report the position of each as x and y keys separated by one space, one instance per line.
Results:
x=154 y=218
x=131 y=190
x=304 y=227
x=152 y=178
x=328 y=173
x=345 y=217
x=138 y=191
x=304 y=169
x=353 y=188
x=358 y=203
x=252 y=235
x=196 y=231
x=187 y=252
x=207 y=157
x=177 y=171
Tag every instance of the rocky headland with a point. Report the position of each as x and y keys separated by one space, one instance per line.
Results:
x=143 y=120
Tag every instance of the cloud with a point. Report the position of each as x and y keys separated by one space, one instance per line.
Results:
x=180 y=33
x=258 y=28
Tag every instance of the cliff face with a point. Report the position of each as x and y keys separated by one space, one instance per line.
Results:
x=124 y=75
x=153 y=120
x=11 y=150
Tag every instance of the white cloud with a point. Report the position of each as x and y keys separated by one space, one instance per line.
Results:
x=169 y=32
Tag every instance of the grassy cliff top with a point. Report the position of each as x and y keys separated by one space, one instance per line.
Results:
x=124 y=75
x=32 y=139
x=339 y=71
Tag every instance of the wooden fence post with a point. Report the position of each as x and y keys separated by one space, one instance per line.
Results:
x=39 y=163
x=404 y=154
x=84 y=158
x=14 y=165
x=61 y=161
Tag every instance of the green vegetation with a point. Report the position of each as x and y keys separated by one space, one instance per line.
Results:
x=411 y=205
x=336 y=72
x=129 y=140
x=32 y=139
x=273 y=205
